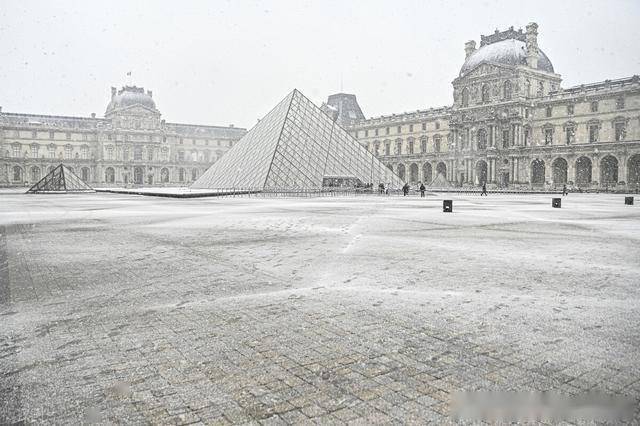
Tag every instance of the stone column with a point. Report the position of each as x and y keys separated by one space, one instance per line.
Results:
x=595 y=169
x=571 y=170
x=547 y=170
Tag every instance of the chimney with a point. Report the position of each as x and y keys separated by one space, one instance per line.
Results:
x=113 y=92
x=532 y=45
x=469 y=48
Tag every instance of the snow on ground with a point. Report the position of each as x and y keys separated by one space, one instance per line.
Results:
x=365 y=308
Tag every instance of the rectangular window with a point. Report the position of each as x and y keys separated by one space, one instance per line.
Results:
x=437 y=125
x=398 y=147
x=16 y=151
x=376 y=132
x=548 y=136
x=150 y=154
x=411 y=127
x=34 y=135
x=366 y=133
x=548 y=112
x=34 y=151
x=387 y=130
x=423 y=145
x=180 y=155
x=399 y=129
x=68 y=152
x=68 y=135
x=51 y=152
x=570 y=133
x=593 y=133
x=570 y=109
x=424 y=126
x=594 y=106
x=620 y=131
x=387 y=148
x=410 y=147
x=505 y=138
x=436 y=145
x=51 y=134
x=620 y=103
x=109 y=153
x=84 y=153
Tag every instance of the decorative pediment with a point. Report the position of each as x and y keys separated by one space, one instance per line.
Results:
x=137 y=110
x=485 y=69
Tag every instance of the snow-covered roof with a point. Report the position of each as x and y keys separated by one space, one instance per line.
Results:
x=508 y=52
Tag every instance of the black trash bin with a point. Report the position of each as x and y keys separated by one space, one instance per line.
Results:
x=556 y=202
x=447 y=206
x=628 y=201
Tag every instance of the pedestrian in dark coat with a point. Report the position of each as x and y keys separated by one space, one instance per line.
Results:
x=564 y=190
x=405 y=189
x=484 y=189
x=422 y=189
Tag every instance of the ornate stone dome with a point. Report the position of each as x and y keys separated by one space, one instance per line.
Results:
x=130 y=95
x=508 y=52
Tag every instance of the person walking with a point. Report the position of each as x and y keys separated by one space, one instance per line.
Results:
x=484 y=190
x=564 y=190
x=422 y=189
x=405 y=189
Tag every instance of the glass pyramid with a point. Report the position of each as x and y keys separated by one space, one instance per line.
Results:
x=296 y=146
x=60 y=179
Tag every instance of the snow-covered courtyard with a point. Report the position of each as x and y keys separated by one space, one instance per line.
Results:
x=124 y=308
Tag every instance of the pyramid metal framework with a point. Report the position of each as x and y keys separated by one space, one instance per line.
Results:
x=296 y=146
x=60 y=179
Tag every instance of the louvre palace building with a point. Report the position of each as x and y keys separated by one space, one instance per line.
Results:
x=131 y=145
x=512 y=124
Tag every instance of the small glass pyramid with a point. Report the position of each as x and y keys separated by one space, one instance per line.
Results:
x=296 y=146
x=60 y=179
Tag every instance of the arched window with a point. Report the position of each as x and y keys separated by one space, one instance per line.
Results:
x=109 y=175
x=17 y=173
x=485 y=93
x=181 y=175
x=482 y=139
x=164 y=175
x=35 y=173
x=137 y=152
x=465 y=97
x=194 y=174
x=507 y=90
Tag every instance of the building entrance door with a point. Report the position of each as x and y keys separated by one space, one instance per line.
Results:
x=504 y=179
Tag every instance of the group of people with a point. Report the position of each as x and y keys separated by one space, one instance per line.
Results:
x=406 y=188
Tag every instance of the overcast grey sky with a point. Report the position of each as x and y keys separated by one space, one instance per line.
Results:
x=222 y=62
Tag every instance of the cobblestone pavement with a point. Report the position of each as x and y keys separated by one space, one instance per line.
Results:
x=133 y=309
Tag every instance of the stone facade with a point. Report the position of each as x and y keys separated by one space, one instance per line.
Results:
x=512 y=125
x=131 y=145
